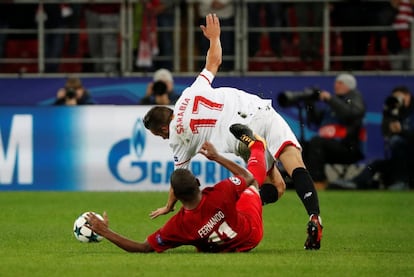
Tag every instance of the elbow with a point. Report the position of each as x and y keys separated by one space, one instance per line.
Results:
x=216 y=61
x=219 y=60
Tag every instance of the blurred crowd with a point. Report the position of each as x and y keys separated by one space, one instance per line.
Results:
x=339 y=142
x=97 y=47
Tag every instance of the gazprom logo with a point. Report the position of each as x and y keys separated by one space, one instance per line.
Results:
x=124 y=157
x=138 y=138
x=16 y=151
x=126 y=163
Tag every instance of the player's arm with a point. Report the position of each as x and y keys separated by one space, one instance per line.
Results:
x=125 y=243
x=183 y=155
x=101 y=227
x=210 y=152
x=212 y=32
x=169 y=207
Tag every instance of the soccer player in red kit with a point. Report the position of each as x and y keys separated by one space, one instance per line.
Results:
x=203 y=113
x=224 y=218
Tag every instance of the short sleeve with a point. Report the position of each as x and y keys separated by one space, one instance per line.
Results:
x=205 y=78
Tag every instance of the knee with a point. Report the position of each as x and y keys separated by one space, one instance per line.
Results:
x=281 y=190
x=291 y=158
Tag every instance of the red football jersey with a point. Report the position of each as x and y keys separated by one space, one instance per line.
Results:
x=215 y=225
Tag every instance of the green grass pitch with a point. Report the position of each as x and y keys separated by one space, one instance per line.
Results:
x=367 y=233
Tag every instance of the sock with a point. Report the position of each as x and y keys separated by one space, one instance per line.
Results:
x=306 y=190
x=268 y=193
x=257 y=163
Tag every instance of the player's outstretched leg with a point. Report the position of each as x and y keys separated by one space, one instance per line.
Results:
x=314 y=233
x=268 y=192
x=245 y=134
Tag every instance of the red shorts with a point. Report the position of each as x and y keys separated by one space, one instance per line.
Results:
x=250 y=205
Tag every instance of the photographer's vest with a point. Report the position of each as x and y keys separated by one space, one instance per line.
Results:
x=337 y=131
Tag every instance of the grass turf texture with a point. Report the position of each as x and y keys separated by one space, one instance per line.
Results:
x=366 y=234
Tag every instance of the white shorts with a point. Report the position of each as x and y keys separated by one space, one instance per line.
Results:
x=268 y=124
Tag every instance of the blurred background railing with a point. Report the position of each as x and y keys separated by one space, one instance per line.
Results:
x=133 y=37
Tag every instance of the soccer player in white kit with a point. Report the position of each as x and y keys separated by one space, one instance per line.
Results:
x=203 y=113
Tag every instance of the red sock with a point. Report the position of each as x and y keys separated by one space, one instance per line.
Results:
x=257 y=163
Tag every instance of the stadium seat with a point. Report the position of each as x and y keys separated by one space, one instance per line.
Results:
x=374 y=49
x=21 y=49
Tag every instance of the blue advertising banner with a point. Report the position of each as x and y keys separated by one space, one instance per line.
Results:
x=91 y=148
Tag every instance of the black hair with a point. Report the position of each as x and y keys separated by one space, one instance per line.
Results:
x=184 y=184
x=157 y=117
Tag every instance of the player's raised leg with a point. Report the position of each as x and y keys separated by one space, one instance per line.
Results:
x=268 y=191
x=244 y=134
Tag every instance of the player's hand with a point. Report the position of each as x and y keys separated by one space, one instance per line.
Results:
x=160 y=211
x=97 y=225
x=209 y=151
x=212 y=28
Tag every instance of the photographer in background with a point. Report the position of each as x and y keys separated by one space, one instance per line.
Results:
x=396 y=171
x=339 y=119
x=73 y=94
x=161 y=90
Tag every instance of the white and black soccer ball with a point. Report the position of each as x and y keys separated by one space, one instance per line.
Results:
x=82 y=232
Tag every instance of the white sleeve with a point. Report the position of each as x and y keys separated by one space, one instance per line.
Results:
x=182 y=156
x=205 y=78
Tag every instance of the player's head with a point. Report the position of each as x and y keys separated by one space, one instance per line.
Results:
x=185 y=185
x=158 y=119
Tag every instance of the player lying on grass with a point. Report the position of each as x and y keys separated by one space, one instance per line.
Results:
x=224 y=218
x=203 y=113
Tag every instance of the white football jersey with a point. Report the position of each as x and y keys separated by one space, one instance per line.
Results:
x=203 y=113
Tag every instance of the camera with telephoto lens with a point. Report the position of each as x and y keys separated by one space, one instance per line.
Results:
x=70 y=93
x=159 y=88
x=292 y=98
x=392 y=107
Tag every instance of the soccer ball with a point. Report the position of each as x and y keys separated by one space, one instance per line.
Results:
x=83 y=233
